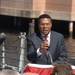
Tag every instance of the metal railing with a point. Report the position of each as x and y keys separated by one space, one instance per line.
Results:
x=14 y=55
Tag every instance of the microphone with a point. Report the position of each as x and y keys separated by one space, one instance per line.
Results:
x=44 y=38
x=47 y=50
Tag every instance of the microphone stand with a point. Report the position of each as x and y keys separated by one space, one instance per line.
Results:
x=49 y=54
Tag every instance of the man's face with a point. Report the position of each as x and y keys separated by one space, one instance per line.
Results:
x=45 y=25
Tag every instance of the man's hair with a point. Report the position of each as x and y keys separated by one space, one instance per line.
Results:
x=62 y=69
x=44 y=16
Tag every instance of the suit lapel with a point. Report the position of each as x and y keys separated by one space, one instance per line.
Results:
x=51 y=39
x=39 y=39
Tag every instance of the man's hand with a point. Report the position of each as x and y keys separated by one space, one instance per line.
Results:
x=44 y=45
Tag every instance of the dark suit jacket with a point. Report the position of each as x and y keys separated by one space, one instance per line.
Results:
x=57 y=49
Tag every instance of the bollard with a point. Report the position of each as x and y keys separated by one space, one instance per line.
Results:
x=22 y=49
x=3 y=55
x=3 y=50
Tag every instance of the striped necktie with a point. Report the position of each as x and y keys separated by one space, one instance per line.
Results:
x=47 y=51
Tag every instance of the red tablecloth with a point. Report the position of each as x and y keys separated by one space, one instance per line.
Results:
x=41 y=69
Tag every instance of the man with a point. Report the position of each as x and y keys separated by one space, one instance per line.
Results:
x=46 y=46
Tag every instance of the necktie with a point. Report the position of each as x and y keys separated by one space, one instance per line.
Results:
x=47 y=51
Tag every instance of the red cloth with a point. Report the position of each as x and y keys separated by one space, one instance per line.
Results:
x=73 y=71
x=40 y=70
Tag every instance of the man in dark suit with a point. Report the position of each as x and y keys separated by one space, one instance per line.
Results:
x=42 y=50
